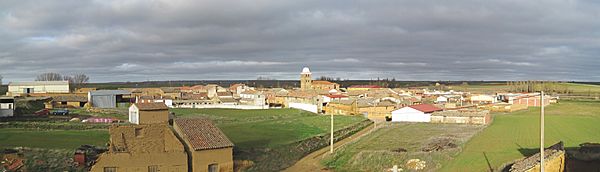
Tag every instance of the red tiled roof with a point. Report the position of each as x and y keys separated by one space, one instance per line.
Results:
x=364 y=86
x=427 y=108
x=151 y=106
x=202 y=134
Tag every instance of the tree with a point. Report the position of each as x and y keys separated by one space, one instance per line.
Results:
x=50 y=76
x=79 y=79
x=1 y=79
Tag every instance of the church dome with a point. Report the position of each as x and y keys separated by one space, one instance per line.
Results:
x=305 y=70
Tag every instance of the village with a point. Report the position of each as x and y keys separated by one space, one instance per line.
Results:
x=146 y=132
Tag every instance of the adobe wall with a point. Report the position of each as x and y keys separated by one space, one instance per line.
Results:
x=125 y=162
x=153 y=117
x=223 y=157
x=554 y=161
x=552 y=164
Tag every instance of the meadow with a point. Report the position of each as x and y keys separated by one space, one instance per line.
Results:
x=396 y=143
x=516 y=135
x=51 y=139
x=268 y=128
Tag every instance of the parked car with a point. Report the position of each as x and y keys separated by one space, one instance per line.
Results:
x=60 y=112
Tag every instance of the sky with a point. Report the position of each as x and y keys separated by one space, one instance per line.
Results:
x=139 y=40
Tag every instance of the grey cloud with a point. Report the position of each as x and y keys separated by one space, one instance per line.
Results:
x=134 y=40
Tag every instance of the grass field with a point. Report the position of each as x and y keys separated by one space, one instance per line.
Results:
x=489 y=88
x=51 y=139
x=268 y=128
x=375 y=152
x=515 y=135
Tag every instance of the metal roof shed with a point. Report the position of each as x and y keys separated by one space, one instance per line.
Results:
x=105 y=98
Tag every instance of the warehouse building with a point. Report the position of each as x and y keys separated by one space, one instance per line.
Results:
x=108 y=98
x=24 y=88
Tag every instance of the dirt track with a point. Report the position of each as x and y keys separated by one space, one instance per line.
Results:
x=311 y=162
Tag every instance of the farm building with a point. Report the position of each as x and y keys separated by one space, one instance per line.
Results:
x=148 y=113
x=461 y=117
x=414 y=113
x=22 y=88
x=483 y=99
x=108 y=98
x=531 y=100
x=67 y=101
x=207 y=145
x=7 y=106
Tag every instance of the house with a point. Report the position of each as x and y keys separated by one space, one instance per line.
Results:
x=144 y=147
x=363 y=87
x=84 y=90
x=462 y=117
x=252 y=97
x=7 y=106
x=150 y=144
x=441 y=99
x=414 y=113
x=237 y=89
x=23 y=88
x=148 y=113
x=324 y=85
x=108 y=98
x=209 y=148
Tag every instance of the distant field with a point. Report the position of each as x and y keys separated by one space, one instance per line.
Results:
x=574 y=88
x=378 y=150
x=515 y=135
x=51 y=139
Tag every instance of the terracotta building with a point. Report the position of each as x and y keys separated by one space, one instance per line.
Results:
x=210 y=149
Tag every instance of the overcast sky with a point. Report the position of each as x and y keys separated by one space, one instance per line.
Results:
x=138 y=40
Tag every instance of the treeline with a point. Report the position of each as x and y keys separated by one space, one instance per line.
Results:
x=536 y=86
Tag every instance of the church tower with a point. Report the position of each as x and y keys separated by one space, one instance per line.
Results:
x=305 y=79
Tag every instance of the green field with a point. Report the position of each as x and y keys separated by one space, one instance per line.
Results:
x=378 y=150
x=51 y=139
x=268 y=128
x=515 y=135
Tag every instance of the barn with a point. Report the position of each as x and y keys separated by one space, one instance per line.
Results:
x=414 y=113
x=107 y=98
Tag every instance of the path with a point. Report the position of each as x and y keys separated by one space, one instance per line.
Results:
x=312 y=161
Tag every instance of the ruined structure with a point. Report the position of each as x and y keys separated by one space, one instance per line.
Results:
x=554 y=161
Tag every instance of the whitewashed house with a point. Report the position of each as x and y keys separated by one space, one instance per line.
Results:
x=414 y=113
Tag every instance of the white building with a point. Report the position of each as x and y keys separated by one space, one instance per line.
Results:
x=19 y=88
x=7 y=106
x=414 y=113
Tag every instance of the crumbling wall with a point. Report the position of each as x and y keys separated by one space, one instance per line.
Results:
x=554 y=161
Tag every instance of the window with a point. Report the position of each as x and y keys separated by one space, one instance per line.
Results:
x=213 y=167
x=138 y=133
x=153 y=168
x=9 y=106
x=110 y=169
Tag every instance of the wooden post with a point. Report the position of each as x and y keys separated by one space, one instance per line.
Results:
x=542 y=134
x=331 y=144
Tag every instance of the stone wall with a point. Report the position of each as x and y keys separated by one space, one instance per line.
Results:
x=554 y=161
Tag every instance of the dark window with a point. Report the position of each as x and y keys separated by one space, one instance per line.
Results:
x=110 y=169
x=138 y=132
x=213 y=168
x=153 y=168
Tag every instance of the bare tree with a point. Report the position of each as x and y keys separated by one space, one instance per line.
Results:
x=79 y=79
x=1 y=77
x=50 y=76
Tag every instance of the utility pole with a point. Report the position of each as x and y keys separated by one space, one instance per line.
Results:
x=542 y=133
x=331 y=144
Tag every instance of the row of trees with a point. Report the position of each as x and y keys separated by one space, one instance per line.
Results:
x=77 y=80
x=536 y=86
